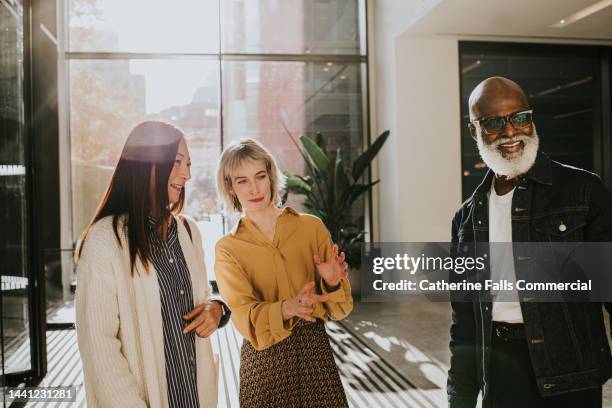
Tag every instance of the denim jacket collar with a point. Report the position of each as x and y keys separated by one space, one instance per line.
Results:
x=540 y=172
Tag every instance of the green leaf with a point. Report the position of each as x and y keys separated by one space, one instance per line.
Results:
x=313 y=171
x=294 y=182
x=365 y=159
x=317 y=155
x=316 y=212
x=306 y=179
x=320 y=140
x=358 y=190
x=341 y=180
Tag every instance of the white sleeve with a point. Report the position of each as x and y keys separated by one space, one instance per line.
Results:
x=97 y=327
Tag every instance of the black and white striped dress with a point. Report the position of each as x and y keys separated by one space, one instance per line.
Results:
x=176 y=297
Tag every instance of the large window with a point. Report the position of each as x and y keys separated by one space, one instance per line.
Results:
x=219 y=69
x=568 y=88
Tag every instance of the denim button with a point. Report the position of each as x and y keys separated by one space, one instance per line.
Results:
x=562 y=227
x=479 y=222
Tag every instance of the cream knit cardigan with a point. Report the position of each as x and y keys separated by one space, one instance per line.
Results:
x=119 y=324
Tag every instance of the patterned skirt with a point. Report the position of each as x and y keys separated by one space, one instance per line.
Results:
x=300 y=371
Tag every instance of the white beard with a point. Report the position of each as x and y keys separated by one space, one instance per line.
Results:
x=511 y=165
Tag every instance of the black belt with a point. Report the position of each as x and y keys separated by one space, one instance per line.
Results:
x=509 y=331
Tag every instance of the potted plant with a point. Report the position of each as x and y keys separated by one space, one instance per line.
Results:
x=330 y=191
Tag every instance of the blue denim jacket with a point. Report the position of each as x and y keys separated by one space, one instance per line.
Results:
x=567 y=341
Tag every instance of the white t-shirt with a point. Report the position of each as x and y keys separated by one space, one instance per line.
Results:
x=502 y=258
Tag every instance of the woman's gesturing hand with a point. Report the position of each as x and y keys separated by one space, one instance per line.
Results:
x=334 y=270
x=301 y=305
x=206 y=318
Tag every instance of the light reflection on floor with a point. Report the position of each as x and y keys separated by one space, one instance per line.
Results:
x=414 y=338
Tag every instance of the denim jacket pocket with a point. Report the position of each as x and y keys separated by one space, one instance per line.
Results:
x=567 y=226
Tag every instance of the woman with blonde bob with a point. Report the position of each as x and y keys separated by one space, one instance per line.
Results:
x=282 y=278
x=144 y=311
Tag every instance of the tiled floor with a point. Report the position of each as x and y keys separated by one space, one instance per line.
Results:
x=369 y=380
x=389 y=355
x=414 y=337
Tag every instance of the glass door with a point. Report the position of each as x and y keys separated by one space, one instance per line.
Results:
x=16 y=290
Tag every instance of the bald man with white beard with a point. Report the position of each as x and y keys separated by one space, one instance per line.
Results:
x=521 y=353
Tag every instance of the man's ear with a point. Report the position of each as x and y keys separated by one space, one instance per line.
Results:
x=472 y=130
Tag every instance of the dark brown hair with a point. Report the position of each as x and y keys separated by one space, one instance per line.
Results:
x=151 y=144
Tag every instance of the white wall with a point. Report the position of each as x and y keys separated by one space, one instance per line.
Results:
x=416 y=96
x=429 y=136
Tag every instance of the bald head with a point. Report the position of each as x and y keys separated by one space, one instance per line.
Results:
x=494 y=96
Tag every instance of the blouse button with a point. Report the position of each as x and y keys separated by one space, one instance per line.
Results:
x=171 y=260
x=182 y=292
x=562 y=227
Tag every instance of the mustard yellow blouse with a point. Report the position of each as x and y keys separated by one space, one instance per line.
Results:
x=255 y=275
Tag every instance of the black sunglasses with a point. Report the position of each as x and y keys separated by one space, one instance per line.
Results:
x=495 y=124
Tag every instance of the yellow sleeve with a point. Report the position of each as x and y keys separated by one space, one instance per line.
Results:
x=340 y=302
x=260 y=322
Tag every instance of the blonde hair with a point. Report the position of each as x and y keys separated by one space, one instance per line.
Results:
x=232 y=157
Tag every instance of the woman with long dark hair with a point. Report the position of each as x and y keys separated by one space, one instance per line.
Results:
x=144 y=311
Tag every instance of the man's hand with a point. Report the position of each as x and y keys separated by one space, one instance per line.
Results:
x=301 y=305
x=334 y=270
x=204 y=319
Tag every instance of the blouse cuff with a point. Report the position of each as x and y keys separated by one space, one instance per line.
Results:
x=335 y=296
x=277 y=324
